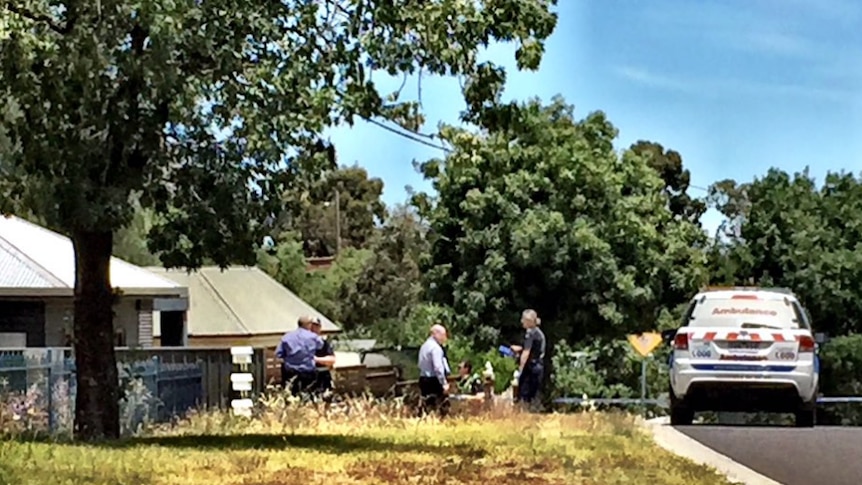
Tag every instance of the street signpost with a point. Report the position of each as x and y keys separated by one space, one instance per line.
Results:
x=644 y=344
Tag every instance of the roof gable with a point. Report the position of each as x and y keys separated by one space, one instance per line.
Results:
x=34 y=257
x=239 y=300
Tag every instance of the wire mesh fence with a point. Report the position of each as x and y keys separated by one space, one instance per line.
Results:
x=38 y=388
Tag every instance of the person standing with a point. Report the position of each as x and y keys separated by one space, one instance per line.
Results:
x=433 y=384
x=531 y=365
x=297 y=351
x=325 y=360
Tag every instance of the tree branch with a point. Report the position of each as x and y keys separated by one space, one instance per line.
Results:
x=43 y=18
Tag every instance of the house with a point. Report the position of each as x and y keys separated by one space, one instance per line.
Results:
x=236 y=306
x=37 y=280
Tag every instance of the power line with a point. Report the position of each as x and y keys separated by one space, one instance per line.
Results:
x=407 y=135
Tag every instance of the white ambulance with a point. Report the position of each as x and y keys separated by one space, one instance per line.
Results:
x=744 y=350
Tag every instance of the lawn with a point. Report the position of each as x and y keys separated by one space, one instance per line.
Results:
x=362 y=445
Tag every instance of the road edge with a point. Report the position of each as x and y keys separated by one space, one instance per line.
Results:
x=679 y=444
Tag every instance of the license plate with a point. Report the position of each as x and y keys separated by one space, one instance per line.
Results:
x=743 y=345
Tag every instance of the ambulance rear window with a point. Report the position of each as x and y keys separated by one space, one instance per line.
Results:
x=728 y=312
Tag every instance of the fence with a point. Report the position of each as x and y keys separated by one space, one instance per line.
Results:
x=157 y=383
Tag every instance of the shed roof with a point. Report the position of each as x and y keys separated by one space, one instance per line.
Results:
x=35 y=261
x=239 y=300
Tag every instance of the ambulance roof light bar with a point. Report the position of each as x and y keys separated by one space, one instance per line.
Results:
x=786 y=291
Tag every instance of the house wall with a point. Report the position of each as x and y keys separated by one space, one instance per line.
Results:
x=132 y=320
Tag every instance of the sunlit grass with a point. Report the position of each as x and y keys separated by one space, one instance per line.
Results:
x=363 y=443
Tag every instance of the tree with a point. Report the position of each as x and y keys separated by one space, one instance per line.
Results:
x=392 y=269
x=130 y=242
x=537 y=210
x=207 y=111
x=357 y=290
x=784 y=230
x=312 y=211
x=677 y=179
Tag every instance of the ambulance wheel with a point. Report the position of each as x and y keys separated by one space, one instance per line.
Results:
x=806 y=417
x=680 y=414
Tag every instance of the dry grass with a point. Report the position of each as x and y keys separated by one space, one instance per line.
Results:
x=363 y=443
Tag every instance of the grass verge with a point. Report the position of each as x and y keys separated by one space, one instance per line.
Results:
x=353 y=445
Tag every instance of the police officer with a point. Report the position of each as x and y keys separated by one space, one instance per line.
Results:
x=325 y=360
x=297 y=351
x=531 y=362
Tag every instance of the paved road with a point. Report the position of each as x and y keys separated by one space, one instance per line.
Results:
x=818 y=456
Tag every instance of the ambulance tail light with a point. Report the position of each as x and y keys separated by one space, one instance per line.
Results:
x=680 y=341
x=806 y=343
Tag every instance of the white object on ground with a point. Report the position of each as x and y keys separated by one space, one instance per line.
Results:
x=672 y=440
x=489 y=371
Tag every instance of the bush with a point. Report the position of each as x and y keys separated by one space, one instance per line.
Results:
x=841 y=375
x=504 y=367
x=609 y=369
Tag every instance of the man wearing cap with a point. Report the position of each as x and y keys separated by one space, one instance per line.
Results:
x=433 y=384
x=297 y=351
x=325 y=360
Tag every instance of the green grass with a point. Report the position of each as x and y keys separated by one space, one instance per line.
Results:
x=364 y=443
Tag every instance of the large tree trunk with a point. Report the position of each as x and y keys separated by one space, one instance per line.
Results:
x=97 y=411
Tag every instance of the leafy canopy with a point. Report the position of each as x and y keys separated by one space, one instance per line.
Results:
x=784 y=230
x=538 y=210
x=190 y=104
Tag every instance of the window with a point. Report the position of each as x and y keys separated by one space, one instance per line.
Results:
x=801 y=316
x=728 y=312
x=119 y=338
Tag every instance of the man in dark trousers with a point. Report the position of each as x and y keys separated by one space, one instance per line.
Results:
x=531 y=362
x=325 y=359
x=297 y=351
x=433 y=384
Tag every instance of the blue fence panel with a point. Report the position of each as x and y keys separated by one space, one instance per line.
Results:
x=180 y=388
x=152 y=390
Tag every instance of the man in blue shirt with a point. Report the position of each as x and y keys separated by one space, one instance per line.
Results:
x=433 y=370
x=297 y=351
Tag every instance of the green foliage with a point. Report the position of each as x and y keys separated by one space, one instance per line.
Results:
x=607 y=370
x=121 y=97
x=412 y=328
x=343 y=203
x=841 y=371
x=461 y=348
x=538 y=210
x=786 y=231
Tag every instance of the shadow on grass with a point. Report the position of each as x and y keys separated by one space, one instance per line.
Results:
x=320 y=442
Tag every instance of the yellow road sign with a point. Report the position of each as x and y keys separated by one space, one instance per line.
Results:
x=645 y=343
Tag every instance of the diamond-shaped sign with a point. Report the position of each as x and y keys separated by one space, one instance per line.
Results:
x=645 y=343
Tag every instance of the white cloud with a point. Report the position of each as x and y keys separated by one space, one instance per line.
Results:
x=767 y=27
x=772 y=43
x=732 y=87
x=642 y=76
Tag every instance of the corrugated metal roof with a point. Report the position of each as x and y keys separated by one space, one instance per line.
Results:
x=239 y=301
x=17 y=272
x=34 y=257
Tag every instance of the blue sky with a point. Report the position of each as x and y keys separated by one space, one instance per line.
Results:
x=736 y=86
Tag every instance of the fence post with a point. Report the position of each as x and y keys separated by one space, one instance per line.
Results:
x=50 y=364
x=242 y=381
